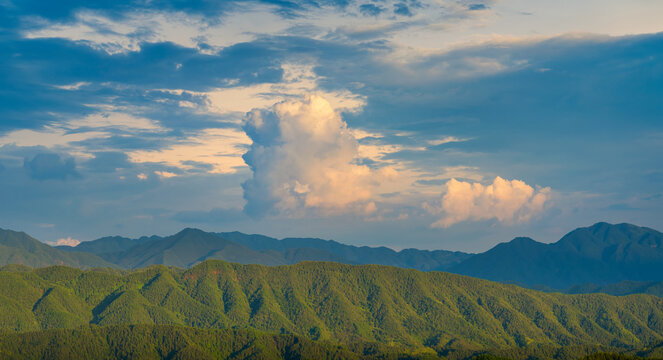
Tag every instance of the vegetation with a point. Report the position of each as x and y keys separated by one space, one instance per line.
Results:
x=20 y=248
x=430 y=313
x=177 y=342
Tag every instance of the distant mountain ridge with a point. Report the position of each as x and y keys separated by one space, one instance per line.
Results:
x=599 y=254
x=109 y=244
x=191 y=246
x=586 y=258
x=330 y=250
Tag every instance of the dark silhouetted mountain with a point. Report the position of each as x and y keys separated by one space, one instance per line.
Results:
x=302 y=249
x=20 y=248
x=599 y=254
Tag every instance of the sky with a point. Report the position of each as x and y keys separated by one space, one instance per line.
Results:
x=435 y=124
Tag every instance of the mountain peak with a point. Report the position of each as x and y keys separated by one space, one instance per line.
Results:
x=523 y=240
x=605 y=234
x=520 y=243
x=600 y=225
x=605 y=226
x=190 y=231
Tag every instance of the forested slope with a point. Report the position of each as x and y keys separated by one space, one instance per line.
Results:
x=330 y=301
x=20 y=248
x=182 y=343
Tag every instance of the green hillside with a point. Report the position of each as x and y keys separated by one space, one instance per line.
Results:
x=177 y=342
x=20 y=248
x=435 y=312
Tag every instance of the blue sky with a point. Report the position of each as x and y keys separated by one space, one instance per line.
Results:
x=440 y=124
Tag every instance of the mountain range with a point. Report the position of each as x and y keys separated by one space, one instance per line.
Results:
x=191 y=246
x=431 y=314
x=600 y=254
x=585 y=260
x=116 y=296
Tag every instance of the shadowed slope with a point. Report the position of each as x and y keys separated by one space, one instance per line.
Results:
x=600 y=254
x=312 y=249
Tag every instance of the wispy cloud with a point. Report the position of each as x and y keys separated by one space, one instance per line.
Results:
x=221 y=149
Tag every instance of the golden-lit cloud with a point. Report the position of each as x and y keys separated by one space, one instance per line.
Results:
x=304 y=157
x=165 y=174
x=508 y=201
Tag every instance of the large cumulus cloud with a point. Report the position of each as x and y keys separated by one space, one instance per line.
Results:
x=304 y=157
x=508 y=201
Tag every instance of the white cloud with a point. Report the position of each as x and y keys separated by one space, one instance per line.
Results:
x=117 y=35
x=68 y=241
x=248 y=21
x=303 y=158
x=93 y=126
x=508 y=201
x=113 y=120
x=74 y=86
x=49 y=136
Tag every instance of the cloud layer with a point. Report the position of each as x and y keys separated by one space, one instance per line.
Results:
x=304 y=157
x=508 y=201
